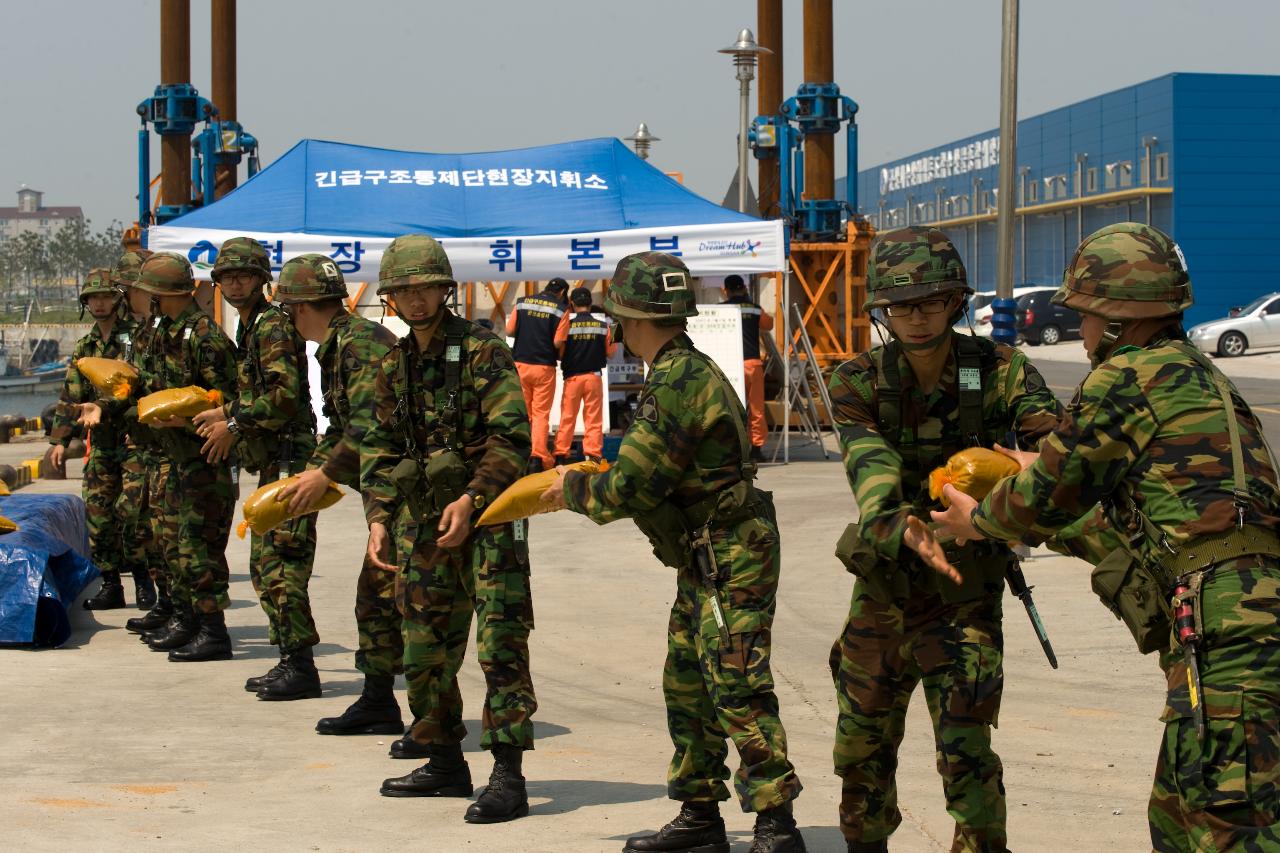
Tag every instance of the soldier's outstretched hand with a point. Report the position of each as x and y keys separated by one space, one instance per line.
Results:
x=305 y=491
x=553 y=498
x=1024 y=458
x=957 y=520
x=379 y=545
x=90 y=415
x=919 y=538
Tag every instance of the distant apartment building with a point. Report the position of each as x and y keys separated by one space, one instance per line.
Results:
x=32 y=215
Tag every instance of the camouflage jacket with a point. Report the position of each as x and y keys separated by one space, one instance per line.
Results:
x=349 y=358
x=273 y=406
x=889 y=474
x=1148 y=423
x=493 y=425
x=76 y=389
x=189 y=349
x=684 y=445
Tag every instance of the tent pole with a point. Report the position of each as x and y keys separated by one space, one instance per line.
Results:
x=786 y=366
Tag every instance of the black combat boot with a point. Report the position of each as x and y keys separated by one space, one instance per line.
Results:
x=445 y=775
x=144 y=590
x=181 y=629
x=697 y=829
x=407 y=747
x=110 y=596
x=504 y=798
x=298 y=681
x=257 y=682
x=776 y=832
x=881 y=846
x=211 y=642
x=376 y=712
x=153 y=618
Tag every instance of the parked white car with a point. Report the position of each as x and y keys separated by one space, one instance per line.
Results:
x=1256 y=326
x=980 y=309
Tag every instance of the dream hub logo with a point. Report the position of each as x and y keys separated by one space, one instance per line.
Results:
x=730 y=247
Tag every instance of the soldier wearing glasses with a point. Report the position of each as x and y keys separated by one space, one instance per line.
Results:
x=901 y=410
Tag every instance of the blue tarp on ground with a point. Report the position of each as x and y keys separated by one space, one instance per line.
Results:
x=44 y=566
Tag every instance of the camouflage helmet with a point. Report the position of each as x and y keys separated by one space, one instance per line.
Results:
x=1127 y=271
x=242 y=253
x=651 y=286
x=98 y=281
x=125 y=272
x=414 y=259
x=911 y=264
x=310 y=278
x=166 y=274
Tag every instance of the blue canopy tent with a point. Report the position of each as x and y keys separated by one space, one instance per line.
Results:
x=572 y=210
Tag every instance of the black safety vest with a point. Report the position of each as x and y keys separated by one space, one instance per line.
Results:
x=750 y=325
x=584 y=351
x=536 y=320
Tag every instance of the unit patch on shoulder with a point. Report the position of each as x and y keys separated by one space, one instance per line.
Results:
x=647 y=410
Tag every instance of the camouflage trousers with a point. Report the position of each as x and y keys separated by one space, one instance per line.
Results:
x=101 y=490
x=1222 y=792
x=955 y=651
x=192 y=506
x=280 y=564
x=133 y=509
x=437 y=591
x=715 y=692
x=379 y=630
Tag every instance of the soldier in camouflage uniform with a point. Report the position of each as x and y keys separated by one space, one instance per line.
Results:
x=900 y=411
x=1160 y=476
x=312 y=291
x=110 y=337
x=452 y=434
x=271 y=429
x=190 y=500
x=684 y=476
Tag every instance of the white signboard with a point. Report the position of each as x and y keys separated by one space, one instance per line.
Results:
x=717 y=331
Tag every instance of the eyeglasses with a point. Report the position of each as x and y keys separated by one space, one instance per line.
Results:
x=928 y=306
x=414 y=291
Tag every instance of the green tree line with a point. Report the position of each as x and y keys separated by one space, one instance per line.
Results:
x=48 y=270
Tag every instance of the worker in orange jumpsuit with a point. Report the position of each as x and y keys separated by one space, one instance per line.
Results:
x=533 y=323
x=583 y=342
x=754 y=321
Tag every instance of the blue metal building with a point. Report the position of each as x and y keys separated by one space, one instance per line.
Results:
x=1196 y=155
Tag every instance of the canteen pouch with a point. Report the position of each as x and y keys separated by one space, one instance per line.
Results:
x=861 y=560
x=1129 y=591
x=667 y=531
x=446 y=478
x=411 y=483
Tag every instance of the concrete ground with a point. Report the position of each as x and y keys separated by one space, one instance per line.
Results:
x=106 y=746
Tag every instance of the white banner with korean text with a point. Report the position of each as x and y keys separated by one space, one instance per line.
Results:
x=720 y=249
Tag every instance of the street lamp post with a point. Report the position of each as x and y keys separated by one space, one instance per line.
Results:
x=642 y=139
x=744 y=52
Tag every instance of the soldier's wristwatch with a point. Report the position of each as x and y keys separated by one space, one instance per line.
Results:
x=477 y=499
x=232 y=426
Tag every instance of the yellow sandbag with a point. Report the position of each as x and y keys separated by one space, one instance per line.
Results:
x=974 y=471
x=7 y=526
x=4 y=490
x=264 y=510
x=111 y=376
x=177 y=403
x=521 y=498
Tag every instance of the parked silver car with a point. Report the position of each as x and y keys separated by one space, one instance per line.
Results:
x=1256 y=326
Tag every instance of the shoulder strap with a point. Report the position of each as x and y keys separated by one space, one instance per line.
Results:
x=969 y=379
x=888 y=391
x=454 y=333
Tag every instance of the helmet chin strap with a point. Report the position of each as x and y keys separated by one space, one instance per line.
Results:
x=1110 y=335
x=911 y=346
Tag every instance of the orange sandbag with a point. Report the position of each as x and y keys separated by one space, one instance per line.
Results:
x=177 y=403
x=7 y=526
x=521 y=498
x=264 y=509
x=111 y=376
x=974 y=471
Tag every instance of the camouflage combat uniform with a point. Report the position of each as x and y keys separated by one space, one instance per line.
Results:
x=684 y=466
x=908 y=625
x=456 y=410
x=193 y=502
x=107 y=450
x=1148 y=454
x=276 y=435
